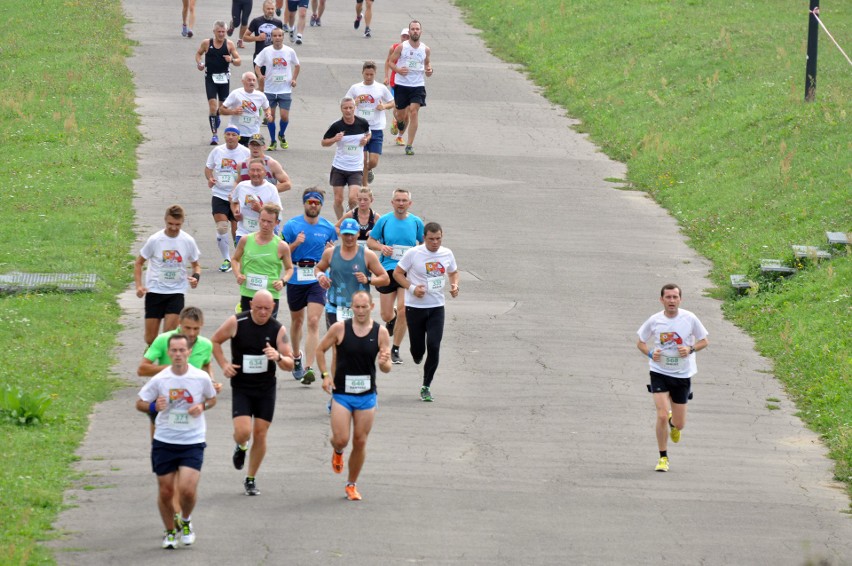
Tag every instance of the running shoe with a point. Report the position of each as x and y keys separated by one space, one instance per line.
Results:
x=239 y=457
x=391 y=323
x=399 y=140
x=251 y=487
x=336 y=462
x=170 y=540
x=226 y=266
x=394 y=128
x=352 y=492
x=663 y=464
x=319 y=22
x=313 y=20
x=272 y=146
x=400 y=125
x=230 y=28
x=425 y=394
x=309 y=377
x=417 y=360
x=187 y=535
x=409 y=150
x=298 y=370
x=292 y=35
x=177 y=521
x=358 y=21
x=367 y=33
x=395 y=359
x=298 y=39
x=370 y=176
x=189 y=33
x=240 y=44
x=278 y=13
x=674 y=432
x=214 y=140
x=183 y=31
x=282 y=142
x=238 y=308
x=286 y=28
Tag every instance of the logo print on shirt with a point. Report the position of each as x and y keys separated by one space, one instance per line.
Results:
x=279 y=62
x=670 y=338
x=176 y=395
x=250 y=105
x=172 y=256
x=434 y=268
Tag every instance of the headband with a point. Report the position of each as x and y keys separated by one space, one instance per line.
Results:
x=314 y=195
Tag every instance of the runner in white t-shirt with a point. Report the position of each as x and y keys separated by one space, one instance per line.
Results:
x=670 y=339
x=248 y=199
x=350 y=135
x=279 y=67
x=425 y=272
x=371 y=100
x=247 y=108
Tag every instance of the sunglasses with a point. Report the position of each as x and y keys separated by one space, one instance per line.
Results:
x=313 y=202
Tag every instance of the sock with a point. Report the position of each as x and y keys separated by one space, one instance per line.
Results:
x=338 y=452
x=213 y=123
x=670 y=423
x=395 y=349
x=185 y=519
x=664 y=453
x=218 y=120
x=222 y=244
x=250 y=478
x=243 y=447
x=282 y=126
x=271 y=127
x=400 y=125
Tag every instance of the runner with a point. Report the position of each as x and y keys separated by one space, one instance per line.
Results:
x=423 y=273
x=411 y=61
x=169 y=252
x=358 y=343
x=350 y=134
x=221 y=172
x=274 y=171
x=260 y=33
x=218 y=53
x=393 y=235
x=262 y=260
x=248 y=199
x=246 y=106
x=308 y=235
x=670 y=339
x=179 y=395
x=363 y=214
x=371 y=101
x=390 y=82
x=368 y=16
x=258 y=346
x=292 y=7
x=281 y=65
x=316 y=13
x=240 y=13
x=188 y=17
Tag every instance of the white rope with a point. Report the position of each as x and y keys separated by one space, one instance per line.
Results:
x=815 y=14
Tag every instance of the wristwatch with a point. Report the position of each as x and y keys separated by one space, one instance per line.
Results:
x=692 y=349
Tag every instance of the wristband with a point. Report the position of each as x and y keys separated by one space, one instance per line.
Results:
x=152 y=408
x=650 y=354
x=280 y=357
x=324 y=374
x=692 y=349
x=196 y=276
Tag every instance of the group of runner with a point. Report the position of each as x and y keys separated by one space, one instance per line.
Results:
x=324 y=270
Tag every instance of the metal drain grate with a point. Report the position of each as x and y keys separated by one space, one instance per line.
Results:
x=17 y=282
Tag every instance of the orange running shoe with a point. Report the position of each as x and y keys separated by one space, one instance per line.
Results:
x=336 y=462
x=352 y=492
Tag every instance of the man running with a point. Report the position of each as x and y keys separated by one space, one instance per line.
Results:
x=278 y=68
x=317 y=12
x=248 y=199
x=169 y=251
x=394 y=234
x=179 y=395
x=258 y=346
x=262 y=260
x=368 y=16
x=358 y=342
x=222 y=173
x=260 y=33
x=350 y=135
x=371 y=101
x=411 y=61
x=218 y=53
x=390 y=82
x=308 y=235
x=351 y=268
x=670 y=339
x=424 y=272
x=247 y=107
x=188 y=18
x=296 y=31
x=274 y=171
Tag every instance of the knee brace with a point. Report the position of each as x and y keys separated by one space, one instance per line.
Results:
x=222 y=227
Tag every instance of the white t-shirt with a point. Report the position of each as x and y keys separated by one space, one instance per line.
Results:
x=245 y=193
x=667 y=334
x=367 y=97
x=225 y=164
x=415 y=60
x=427 y=268
x=253 y=105
x=279 y=65
x=174 y=425
x=168 y=258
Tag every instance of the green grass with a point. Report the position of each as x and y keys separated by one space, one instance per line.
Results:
x=703 y=100
x=68 y=133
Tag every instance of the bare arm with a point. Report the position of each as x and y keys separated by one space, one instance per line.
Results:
x=331 y=339
x=454 y=283
x=384 y=357
x=225 y=332
x=380 y=278
x=236 y=262
x=137 y=276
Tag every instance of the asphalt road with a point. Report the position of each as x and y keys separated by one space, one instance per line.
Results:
x=539 y=447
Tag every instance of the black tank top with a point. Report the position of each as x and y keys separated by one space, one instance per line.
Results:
x=364 y=229
x=214 y=59
x=250 y=340
x=356 y=356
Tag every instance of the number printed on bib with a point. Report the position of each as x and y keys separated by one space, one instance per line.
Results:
x=227 y=177
x=252 y=224
x=180 y=419
x=366 y=113
x=305 y=274
x=170 y=275
x=357 y=384
x=414 y=64
x=399 y=251
x=221 y=78
x=350 y=149
x=279 y=79
x=248 y=119
x=254 y=364
x=343 y=313
x=673 y=362
x=435 y=284
x=256 y=282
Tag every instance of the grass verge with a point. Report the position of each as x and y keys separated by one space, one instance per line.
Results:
x=705 y=105
x=68 y=133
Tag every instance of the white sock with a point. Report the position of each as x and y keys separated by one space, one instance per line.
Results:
x=222 y=243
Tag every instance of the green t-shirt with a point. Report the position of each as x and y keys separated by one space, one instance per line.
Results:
x=202 y=350
x=261 y=266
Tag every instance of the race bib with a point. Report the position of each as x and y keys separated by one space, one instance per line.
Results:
x=248 y=119
x=414 y=64
x=256 y=282
x=435 y=284
x=399 y=251
x=254 y=364
x=674 y=362
x=279 y=79
x=343 y=313
x=251 y=224
x=305 y=274
x=350 y=149
x=357 y=384
x=170 y=275
x=227 y=177
x=221 y=78
x=363 y=243
x=180 y=419
x=366 y=113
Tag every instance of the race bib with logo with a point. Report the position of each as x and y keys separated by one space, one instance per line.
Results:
x=357 y=384
x=256 y=282
x=254 y=364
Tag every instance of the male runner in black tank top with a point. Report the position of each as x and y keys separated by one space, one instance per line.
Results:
x=359 y=343
x=219 y=53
